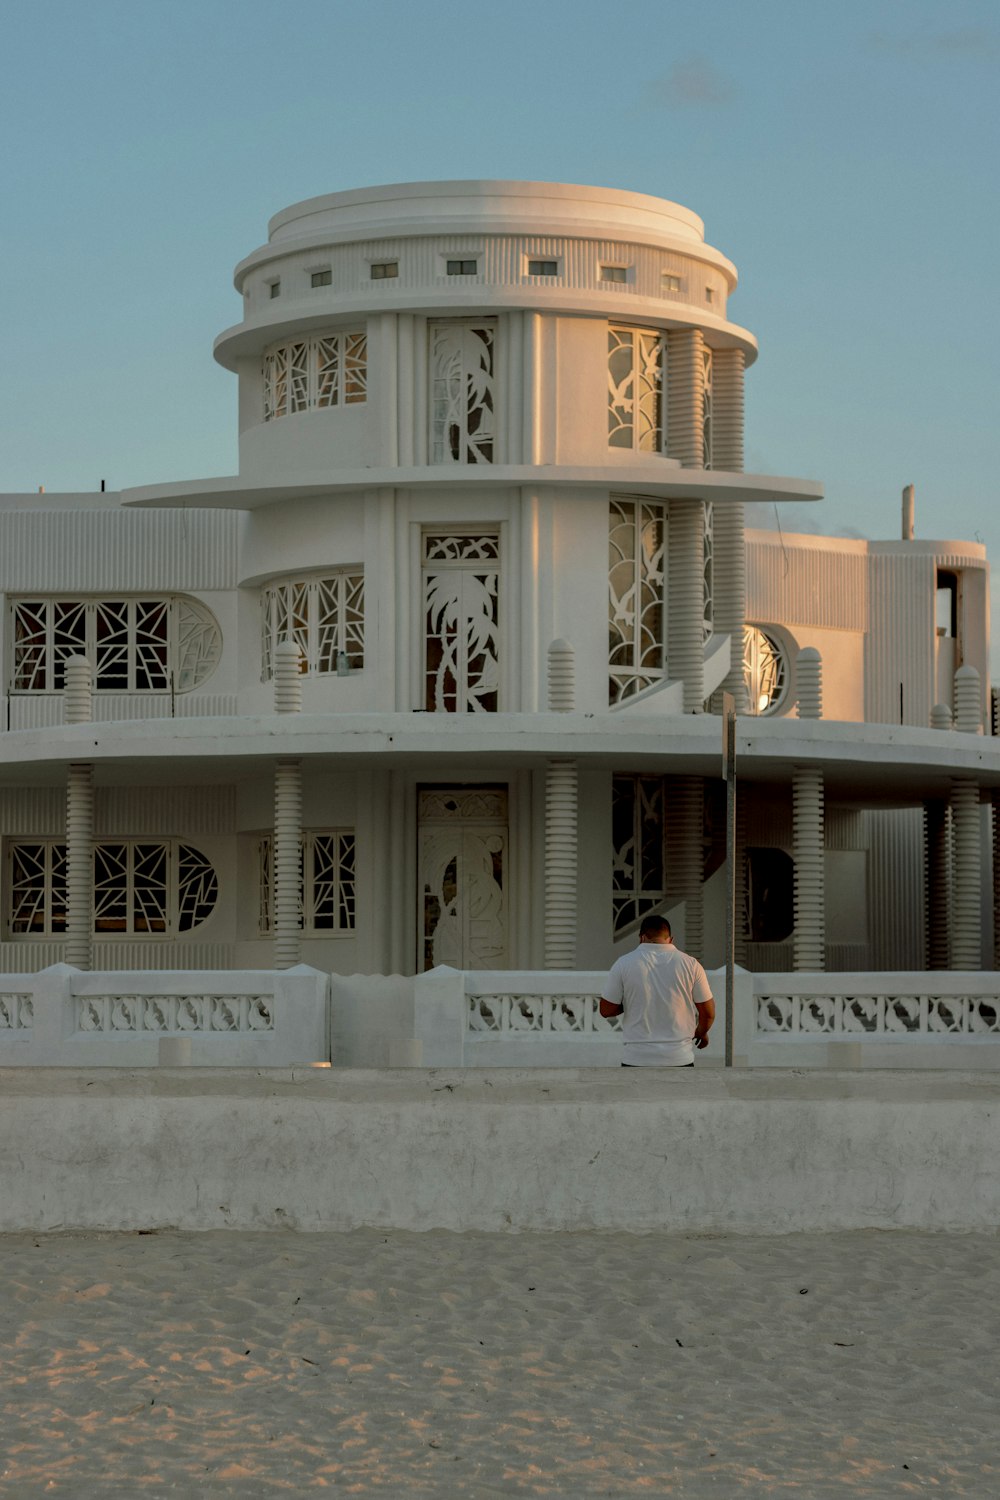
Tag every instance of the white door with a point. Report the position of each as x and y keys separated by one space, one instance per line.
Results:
x=462 y=877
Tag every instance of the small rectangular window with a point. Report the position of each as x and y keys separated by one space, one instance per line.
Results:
x=321 y=278
x=670 y=282
x=384 y=270
x=710 y=294
x=275 y=288
x=614 y=273
x=462 y=267
x=543 y=268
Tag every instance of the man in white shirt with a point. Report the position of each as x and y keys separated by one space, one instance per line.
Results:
x=666 y=1000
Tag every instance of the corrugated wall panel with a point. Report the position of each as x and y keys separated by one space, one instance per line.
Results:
x=806 y=585
x=896 y=888
x=117 y=551
x=40 y=811
x=30 y=957
x=179 y=812
x=45 y=710
x=899 y=648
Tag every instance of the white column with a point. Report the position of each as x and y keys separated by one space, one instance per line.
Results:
x=686 y=600
x=937 y=883
x=685 y=397
x=727 y=410
x=809 y=941
x=77 y=695
x=966 y=922
x=809 y=683
x=685 y=810
x=995 y=817
x=287 y=678
x=287 y=863
x=80 y=866
x=968 y=701
x=561 y=822
x=730 y=591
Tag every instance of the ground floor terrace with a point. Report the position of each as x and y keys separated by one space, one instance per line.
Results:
x=395 y=843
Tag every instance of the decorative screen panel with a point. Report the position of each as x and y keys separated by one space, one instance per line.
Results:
x=142 y=888
x=133 y=645
x=637 y=537
x=328 y=894
x=765 y=670
x=706 y=410
x=461 y=623
x=325 y=617
x=463 y=424
x=709 y=560
x=329 y=369
x=638 y=880
x=636 y=358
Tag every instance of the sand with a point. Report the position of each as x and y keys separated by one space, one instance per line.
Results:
x=398 y=1364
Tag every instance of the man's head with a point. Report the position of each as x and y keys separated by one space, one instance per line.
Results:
x=655 y=930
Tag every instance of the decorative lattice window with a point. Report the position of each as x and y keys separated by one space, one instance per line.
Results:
x=638 y=878
x=327 y=883
x=328 y=369
x=709 y=561
x=463 y=415
x=706 y=409
x=461 y=622
x=324 y=616
x=765 y=670
x=636 y=362
x=133 y=645
x=637 y=620
x=142 y=888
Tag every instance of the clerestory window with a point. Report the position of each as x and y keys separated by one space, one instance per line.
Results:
x=142 y=888
x=324 y=370
x=637 y=618
x=134 y=645
x=636 y=372
x=325 y=616
x=327 y=895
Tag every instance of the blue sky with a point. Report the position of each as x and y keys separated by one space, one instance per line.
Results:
x=845 y=157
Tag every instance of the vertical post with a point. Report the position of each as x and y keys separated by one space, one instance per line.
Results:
x=729 y=771
x=80 y=866
x=287 y=863
x=561 y=823
x=686 y=600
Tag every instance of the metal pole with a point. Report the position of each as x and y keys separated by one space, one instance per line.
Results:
x=729 y=770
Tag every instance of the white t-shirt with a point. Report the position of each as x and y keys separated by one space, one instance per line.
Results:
x=660 y=988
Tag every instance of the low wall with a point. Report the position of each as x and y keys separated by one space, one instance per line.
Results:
x=320 y=1149
x=64 y=1017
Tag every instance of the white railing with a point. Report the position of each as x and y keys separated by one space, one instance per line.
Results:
x=234 y=1018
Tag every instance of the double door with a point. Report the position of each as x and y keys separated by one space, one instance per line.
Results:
x=462 y=847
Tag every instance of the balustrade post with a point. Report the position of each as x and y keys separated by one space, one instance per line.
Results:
x=287 y=673
x=77 y=692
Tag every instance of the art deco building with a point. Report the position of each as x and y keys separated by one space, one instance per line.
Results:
x=435 y=677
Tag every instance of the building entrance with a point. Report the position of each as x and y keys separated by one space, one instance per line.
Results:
x=462 y=840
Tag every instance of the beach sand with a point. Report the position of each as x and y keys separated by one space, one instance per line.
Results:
x=392 y=1363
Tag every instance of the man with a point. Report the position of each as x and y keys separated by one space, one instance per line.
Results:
x=666 y=1000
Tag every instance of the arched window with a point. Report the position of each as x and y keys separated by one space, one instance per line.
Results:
x=765 y=670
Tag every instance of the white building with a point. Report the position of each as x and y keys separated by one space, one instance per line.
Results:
x=491 y=488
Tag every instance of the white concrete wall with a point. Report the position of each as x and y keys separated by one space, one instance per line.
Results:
x=688 y=1151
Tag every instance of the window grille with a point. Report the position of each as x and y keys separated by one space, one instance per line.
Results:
x=133 y=645
x=142 y=888
x=765 y=670
x=327 y=882
x=324 y=616
x=637 y=541
x=636 y=363
x=329 y=369
x=461 y=623
x=463 y=421
x=638 y=880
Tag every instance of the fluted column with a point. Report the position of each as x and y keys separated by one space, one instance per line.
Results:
x=966 y=922
x=686 y=396
x=730 y=595
x=287 y=863
x=809 y=683
x=686 y=855
x=561 y=822
x=686 y=600
x=937 y=883
x=80 y=866
x=809 y=941
x=727 y=409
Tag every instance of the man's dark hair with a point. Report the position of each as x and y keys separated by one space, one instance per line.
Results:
x=655 y=927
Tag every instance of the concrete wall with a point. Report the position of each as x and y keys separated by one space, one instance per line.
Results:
x=648 y=1149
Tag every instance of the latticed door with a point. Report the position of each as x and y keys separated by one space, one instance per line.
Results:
x=461 y=623
x=462 y=878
